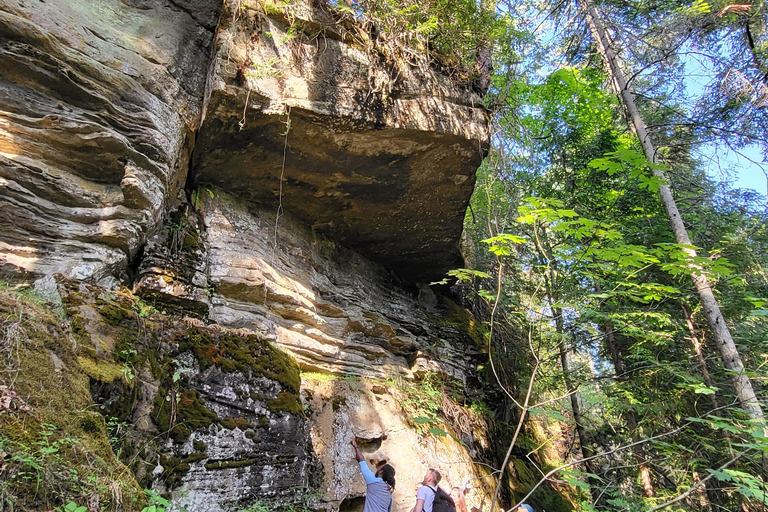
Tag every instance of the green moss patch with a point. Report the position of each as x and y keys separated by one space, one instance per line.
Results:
x=227 y=464
x=174 y=470
x=243 y=353
x=460 y=319
x=233 y=423
x=286 y=401
x=62 y=449
x=100 y=370
x=54 y=446
x=178 y=413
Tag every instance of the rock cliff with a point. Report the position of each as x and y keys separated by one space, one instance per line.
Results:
x=272 y=195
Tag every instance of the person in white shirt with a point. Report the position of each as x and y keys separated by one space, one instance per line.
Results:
x=425 y=496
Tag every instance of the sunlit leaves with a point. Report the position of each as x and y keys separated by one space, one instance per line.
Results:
x=633 y=162
x=678 y=259
x=701 y=389
x=463 y=275
x=501 y=245
x=747 y=484
x=698 y=8
x=437 y=432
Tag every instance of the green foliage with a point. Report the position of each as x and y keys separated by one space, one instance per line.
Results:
x=197 y=197
x=156 y=502
x=463 y=275
x=590 y=274
x=421 y=400
x=634 y=162
x=268 y=69
x=447 y=32
x=54 y=450
x=143 y=309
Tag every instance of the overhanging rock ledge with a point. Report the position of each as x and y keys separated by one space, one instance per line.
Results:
x=377 y=156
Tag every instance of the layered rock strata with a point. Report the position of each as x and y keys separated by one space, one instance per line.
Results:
x=363 y=342
x=375 y=415
x=334 y=310
x=99 y=101
x=209 y=417
x=326 y=181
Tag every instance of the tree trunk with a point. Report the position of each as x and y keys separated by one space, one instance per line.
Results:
x=697 y=344
x=629 y=416
x=544 y=250
x=720 y=332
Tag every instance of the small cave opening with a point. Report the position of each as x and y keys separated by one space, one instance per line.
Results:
x=355 y=504
x=370 y=445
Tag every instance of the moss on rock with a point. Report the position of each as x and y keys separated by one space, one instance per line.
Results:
x=100 y=370
x=243 y=353
x=286 y=402
x=60 y=445
x=460 y=319
x=178 y=412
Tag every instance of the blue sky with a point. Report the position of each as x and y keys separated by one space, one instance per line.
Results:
x=743 y=167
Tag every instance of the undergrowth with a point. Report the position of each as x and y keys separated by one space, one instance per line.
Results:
x=49 y=459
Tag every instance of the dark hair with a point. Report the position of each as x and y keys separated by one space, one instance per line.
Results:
x=436 y=475
x=388 y=474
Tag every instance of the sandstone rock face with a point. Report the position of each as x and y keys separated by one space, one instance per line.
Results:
x=379 y=158
x=98 y=104
x=213 y=416
x=257 y=453
x=372 y=414
x=174 y=267
x=325 y=184
x=361 y=339
x=230 y=427
x=332 y=309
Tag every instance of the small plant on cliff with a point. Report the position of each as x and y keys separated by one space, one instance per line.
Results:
x=197 y=197
x=73 y=507
x=267 y=69
x=421 y=401
x=156 y=502
x=421 y=33
x=143 y=309
x=261 y=506
x=257 y=507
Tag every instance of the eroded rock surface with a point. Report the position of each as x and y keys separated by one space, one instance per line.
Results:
x=373 y=415
x=380 y=159
x=332 y=309
x=98 y=103
x=174 y=269
x=208 y=416
x=326 y=181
